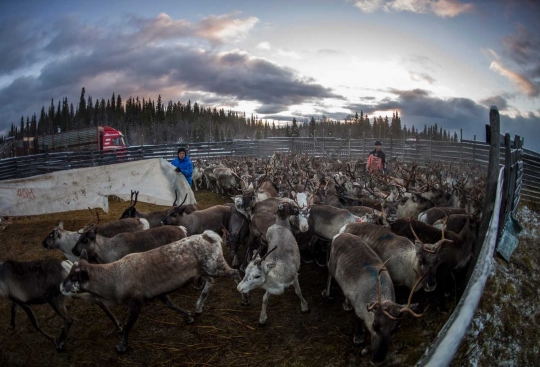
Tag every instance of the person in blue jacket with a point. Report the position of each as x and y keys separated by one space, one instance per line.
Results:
x=183 y=165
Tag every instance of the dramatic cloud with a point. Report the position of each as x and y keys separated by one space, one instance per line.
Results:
x=18 y=45
x=225 y=27
x=138 y=63
x=522 y=63
x=525 y=84
x=441 y=8
x=418 y=108
x=498 y=101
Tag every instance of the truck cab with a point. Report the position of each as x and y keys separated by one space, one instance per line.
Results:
x=110 y=138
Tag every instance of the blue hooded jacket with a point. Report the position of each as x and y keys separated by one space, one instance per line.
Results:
x=185 y=166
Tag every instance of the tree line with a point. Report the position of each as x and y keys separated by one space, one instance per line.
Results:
x=147 y=121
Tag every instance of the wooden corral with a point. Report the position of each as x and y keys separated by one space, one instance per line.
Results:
x=227 y=334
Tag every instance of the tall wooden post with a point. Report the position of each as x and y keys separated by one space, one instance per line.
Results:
x=491 y=186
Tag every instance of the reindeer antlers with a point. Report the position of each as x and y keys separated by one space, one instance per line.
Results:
x=379 y=294
x=265 y=256
x=437 y=245
x=90 y=227
x=408 y=307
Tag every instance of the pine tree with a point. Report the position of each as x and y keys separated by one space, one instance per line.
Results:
x=215 y=132
x=287 y=130
x=81 y=113
x=294 y=129
x=312 y=126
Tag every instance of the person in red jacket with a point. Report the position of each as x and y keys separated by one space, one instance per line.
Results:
x=376 y=160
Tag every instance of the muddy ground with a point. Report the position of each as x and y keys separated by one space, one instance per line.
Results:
x=227 y=334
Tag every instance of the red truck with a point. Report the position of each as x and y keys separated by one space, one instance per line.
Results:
x=87 y=139
x=90 y=138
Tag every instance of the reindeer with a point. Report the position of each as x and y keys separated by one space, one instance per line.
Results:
x=353 y=264
x=237 y=232
x=197 y=177
x=36 y=282
x=213 y=218
x=407 y=259
x=106 y=250
x=64 y=240
x=155 y=218
x=137 y=278
x=277 y=272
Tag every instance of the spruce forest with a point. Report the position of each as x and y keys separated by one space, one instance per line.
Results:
x=152 y=122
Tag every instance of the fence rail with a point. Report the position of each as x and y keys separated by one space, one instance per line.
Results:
x=419 y=151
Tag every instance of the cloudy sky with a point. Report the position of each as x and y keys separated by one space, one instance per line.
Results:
x=434 y=61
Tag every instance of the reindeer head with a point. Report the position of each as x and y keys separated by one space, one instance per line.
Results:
x=427 y=259
x=233 y=239
x=174 y=216
x=256 y=272
x=77 y=278
x=387 y=316
x=57 y=235
x=131 y=212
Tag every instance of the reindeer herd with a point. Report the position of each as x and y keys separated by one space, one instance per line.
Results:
x=412 y=228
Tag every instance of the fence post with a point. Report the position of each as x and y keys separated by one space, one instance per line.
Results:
x=460 y=146
x=363 y=144
x=349 y=144
x=491 y=186
x=404 y=142
x=323 y=144
x=430 y=148
x=474 y=150
x=506 y=183
x=391 y=142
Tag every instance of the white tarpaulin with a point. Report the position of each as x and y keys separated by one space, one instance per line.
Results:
x=76 y=189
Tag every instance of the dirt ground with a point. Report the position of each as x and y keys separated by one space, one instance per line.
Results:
x=227 y=334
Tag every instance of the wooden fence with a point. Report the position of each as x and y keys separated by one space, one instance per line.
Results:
x=419 y=151
x=501 y=199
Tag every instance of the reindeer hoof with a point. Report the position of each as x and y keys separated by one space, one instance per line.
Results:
x=306 y=312
x=262 y=324
x=189 y=320
x=59 y=346
x=11 y=327
x=358 y=340
x=327 y=297
x=119 y=331
x=121 y=349
x=198 y=313
x=365 y=352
